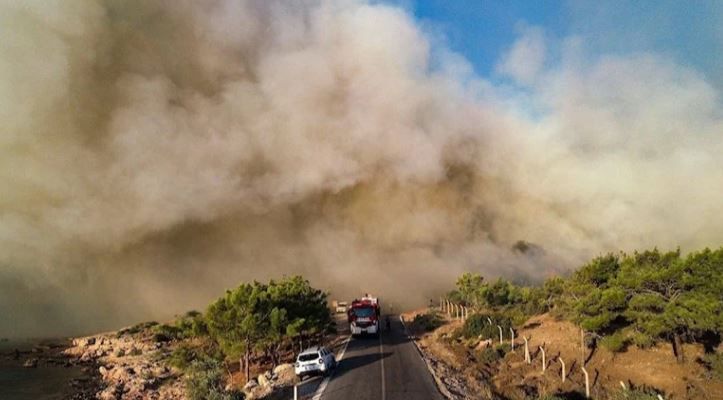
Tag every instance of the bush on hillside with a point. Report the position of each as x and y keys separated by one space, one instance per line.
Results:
x=428 y=322
x=185 y=354
x=642 y=340
x=616 y=343
x=205 y=380
x=166 y=333
x=488 y=355
x=137 y=328
x=478 y=325
x=714 y=365
x=192 y=324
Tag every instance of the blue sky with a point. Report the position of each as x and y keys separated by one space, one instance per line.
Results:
x=689 y=32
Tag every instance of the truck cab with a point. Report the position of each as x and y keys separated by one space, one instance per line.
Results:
x=363 y=316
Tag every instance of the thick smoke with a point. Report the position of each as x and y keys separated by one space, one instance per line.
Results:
x=154 y=153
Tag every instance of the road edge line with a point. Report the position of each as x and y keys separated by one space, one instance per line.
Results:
x=437 y=380
x=381 y=359
x=322 y=386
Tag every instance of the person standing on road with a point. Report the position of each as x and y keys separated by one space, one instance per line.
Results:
x=389 y=324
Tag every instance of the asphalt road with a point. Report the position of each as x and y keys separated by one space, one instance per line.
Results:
x=386 y=368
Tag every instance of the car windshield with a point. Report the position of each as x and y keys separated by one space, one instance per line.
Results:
x=308 y=356
x=364 y=312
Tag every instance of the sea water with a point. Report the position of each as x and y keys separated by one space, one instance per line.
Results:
x=46 y=382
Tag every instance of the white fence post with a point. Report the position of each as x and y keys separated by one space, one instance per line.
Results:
x=563 y=369
x=527 y=351
x=587 y=382
x=489 y=320
x=512 y=339
x=296 y=392
x=544 y=359
x=500 y=328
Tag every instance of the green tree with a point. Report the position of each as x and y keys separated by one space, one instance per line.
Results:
x=673 y=298
x=296 y=309
x=236 y=321
x=260 y=316
x=468 y=287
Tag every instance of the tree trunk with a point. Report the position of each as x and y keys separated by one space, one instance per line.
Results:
x=228 y=371
x=678 y=348
x=247 y=365
x=247 y=361
x=275 y=354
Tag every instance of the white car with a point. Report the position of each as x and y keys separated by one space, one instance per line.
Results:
x=314 y=360
x=341 y=307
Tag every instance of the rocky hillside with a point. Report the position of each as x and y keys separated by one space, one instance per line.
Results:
x=135 y=364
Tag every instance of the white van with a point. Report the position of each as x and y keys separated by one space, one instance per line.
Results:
x=314 y=360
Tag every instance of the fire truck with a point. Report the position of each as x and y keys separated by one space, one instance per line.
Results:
x=363 y=316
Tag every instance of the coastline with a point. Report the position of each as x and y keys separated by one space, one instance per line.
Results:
x=40 y=369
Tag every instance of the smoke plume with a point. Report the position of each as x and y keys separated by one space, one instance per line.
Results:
x=154 y=153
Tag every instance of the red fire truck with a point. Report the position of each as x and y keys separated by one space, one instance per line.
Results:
x=363 y=316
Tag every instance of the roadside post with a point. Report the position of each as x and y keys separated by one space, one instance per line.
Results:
x=587 y=382
x=512 y=339
x=544 y=359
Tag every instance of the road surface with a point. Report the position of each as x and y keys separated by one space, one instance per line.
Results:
x=386 y=368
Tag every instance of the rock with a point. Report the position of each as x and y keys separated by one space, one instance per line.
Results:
x=281 y=368
x=484 y=344
x=285 y=373
x=250 y=384
x=264 y=380
x=90 y=341
x=31 y=363
x=112 y=392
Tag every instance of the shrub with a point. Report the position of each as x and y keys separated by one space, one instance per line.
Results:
x=192 y=324
x=120 y=353
x=503 y=349
x=642 y=340
x=137 y=328
x=477 y=325
x=488 y=355
x=135 y=352
x=714 y=365
x=491 y=355
x=166 y=333
x=185 y=354
x=428 y=322
x=205 y=381
x=616 y=342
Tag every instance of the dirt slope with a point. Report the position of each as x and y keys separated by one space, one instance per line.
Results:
x=512 y=378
